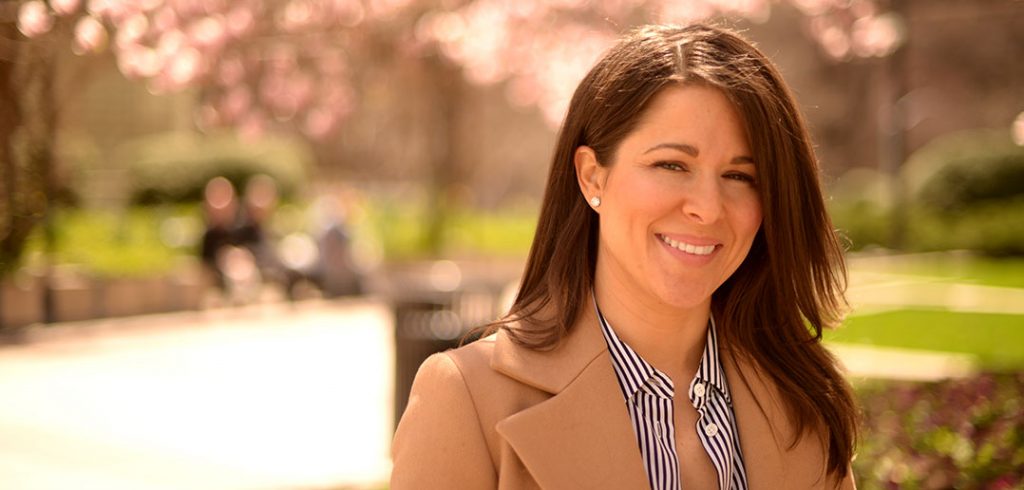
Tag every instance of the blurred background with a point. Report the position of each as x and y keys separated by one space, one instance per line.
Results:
x=230 y=230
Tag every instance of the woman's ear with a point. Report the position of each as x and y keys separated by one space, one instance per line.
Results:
x=590 y=175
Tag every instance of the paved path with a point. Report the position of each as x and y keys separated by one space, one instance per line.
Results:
x=871 y=292
x=261 y=398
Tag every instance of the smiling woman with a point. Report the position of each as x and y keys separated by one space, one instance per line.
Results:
x=679 y=210
x=682 y=242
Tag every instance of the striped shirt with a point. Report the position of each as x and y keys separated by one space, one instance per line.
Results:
x=648 y=394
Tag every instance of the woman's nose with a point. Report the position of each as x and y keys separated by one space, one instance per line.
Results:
x=702 y=201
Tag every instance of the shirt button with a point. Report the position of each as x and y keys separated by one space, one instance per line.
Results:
x=698 y=389
x=711 y=429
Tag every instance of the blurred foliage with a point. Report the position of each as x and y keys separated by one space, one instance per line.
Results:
x=111 y=244
x=956 y=172
x=964 y=433
x=175 y=166
x=995 y=340
x=966 y=191
x=151 y=240
x=402 y=231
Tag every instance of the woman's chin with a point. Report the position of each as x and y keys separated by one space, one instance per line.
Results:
x=684 y=300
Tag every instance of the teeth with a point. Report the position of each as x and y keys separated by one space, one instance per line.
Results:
x=688 y=248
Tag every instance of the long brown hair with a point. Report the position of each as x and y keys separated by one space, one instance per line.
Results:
x=794 y=275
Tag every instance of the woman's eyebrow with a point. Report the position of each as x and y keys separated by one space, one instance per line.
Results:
x=683 y=147
x=694 y=152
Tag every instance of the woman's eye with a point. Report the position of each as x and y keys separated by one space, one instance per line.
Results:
x=742 y=177
x=670 y=166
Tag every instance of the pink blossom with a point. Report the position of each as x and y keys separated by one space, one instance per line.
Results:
x=349 y=13
x=90 y=36
x=1018 y=129
x=183 y=67
x=236 y=103
x=319 y=122
x=232 y=71
x=252 y=126
x=102 y=8
x=137 y=61
x=297 y=15
x=132 y=30
x=170 y=43
x=165 y=19
x=65 y=7
x=208 y=31
x=149 y=5
x=34 y=18
x=240 y=20
x=877 y=36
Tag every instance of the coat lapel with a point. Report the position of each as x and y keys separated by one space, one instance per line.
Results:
x=577 y=438
x=755 y=409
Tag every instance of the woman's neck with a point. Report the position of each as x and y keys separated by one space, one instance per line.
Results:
x=672 y=339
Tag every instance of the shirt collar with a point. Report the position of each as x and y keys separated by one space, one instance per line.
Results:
x=710 y=371
x=635 y=373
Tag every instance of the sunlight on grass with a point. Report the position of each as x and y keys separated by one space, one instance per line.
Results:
x=996 y=339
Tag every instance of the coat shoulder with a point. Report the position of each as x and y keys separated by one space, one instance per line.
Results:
x=447 y=437
x=440 y=433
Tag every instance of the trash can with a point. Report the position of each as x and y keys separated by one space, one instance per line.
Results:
x=430 y=320
x=422 y=328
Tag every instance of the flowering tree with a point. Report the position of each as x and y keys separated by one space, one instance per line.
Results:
x=258 y=64
x=265 y=61
x=542 y=48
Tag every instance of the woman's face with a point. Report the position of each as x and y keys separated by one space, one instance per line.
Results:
x=679 y=202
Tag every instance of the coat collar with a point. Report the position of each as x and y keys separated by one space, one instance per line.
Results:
x=591 y=439
x=555 y=369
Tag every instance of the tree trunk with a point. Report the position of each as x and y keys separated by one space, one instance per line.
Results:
x=15 y=223
x=445 y=166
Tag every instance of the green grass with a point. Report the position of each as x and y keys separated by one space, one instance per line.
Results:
x=504 y=233
x=402 y=231
x=110 y=244
x=996 y=339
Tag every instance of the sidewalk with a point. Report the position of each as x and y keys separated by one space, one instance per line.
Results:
x=871 y=292
x=267 y=397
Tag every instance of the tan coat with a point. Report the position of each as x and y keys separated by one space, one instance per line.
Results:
x=495 y=415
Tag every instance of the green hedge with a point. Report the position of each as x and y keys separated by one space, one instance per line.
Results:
x=113 y=244
x=175 y=167
x=963 y=191
x=962 y=170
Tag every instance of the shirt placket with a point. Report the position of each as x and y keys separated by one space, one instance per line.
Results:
x=708 y=431
x=653 y=402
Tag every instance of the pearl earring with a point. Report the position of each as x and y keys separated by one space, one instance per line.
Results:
x=595 y=201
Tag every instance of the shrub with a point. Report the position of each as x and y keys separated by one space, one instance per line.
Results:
x=962 y=170
x=964 y=191
x=860 y=209
x=966 y=434
x=113 y=244
x=175 y=167
x=995 y=228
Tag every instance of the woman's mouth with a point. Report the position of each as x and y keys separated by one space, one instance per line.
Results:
x=688 y=247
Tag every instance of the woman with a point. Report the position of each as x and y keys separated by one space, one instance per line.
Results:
x=660 y=335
